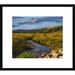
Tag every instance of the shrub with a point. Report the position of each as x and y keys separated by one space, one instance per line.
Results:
x=26 y=55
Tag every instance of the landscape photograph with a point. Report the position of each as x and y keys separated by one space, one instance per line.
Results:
x=37 y=37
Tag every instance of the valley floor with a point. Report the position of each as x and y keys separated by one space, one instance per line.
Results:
x=44 y=44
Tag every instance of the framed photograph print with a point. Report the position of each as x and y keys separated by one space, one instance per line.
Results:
x=37 y=37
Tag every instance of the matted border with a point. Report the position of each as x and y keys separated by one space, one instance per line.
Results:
x=36 y=5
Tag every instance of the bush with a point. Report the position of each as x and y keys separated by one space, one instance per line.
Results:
x=26 y=55
x=20 y=46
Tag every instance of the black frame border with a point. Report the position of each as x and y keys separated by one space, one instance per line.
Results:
x=36 y=5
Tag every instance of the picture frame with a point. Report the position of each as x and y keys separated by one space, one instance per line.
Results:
x=7 y=65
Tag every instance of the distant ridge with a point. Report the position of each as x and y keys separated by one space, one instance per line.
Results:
x=56 y=28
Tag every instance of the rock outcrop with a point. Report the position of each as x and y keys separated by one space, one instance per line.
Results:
x=53 y=54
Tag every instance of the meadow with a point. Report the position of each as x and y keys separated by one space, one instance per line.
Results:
x=50 y=37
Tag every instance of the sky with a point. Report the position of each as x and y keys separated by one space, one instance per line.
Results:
x=35 y=22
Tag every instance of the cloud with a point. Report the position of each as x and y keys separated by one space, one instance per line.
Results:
x=17 y=21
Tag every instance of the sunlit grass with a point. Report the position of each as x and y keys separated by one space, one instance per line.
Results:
x=52 y=40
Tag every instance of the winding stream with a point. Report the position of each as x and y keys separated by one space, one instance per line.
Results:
x=39 y=49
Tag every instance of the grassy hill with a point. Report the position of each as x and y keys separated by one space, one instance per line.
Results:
x=43 y=30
